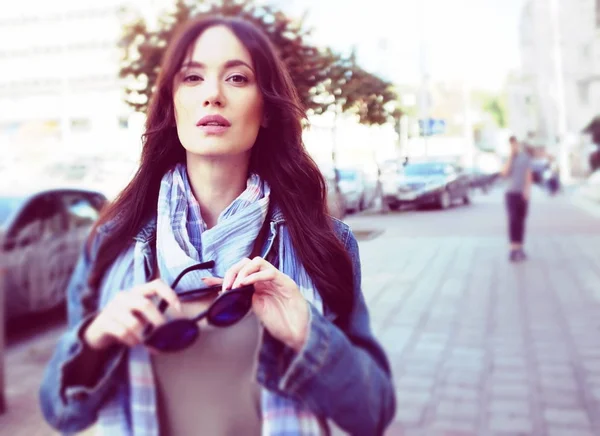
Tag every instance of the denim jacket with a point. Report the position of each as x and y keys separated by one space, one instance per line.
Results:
x=342 y=375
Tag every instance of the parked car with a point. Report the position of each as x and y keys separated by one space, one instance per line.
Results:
x=426 y=183
x=41 y=236
x=480 y=180
x=357 y=187
x=336 y=203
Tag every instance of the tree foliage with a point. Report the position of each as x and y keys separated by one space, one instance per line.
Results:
x=495 y=105
x=324 y=79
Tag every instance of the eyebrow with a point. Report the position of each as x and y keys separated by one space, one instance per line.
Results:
x=229 y=64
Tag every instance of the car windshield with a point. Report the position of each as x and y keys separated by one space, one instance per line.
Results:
x=7 y=206
x=425 y=169
x=348 y=175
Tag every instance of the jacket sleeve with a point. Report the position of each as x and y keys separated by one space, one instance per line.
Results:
x=341 y=375
x=66 y=404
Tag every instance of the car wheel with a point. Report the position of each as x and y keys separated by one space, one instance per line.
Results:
x=466 y=198
x=361 y=204
x=444 y=200
x=394 y=206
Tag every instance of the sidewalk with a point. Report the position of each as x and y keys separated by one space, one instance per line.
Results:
x=478 y=346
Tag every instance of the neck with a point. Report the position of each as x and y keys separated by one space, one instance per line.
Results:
x=216 y=182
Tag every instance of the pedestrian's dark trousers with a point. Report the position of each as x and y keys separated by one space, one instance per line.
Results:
x=517 y=206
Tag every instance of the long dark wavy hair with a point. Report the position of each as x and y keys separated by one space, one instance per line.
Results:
x=278 y=157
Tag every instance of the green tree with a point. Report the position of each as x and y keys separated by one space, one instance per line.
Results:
x=324 y=79
x=495 y=105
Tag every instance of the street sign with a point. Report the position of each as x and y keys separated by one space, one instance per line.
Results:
x=432 y=126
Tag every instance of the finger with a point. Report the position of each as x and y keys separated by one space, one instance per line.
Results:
x=212 y=281
x=258 y=305
x=133 y=324
x=260 y=276
x=160 y=288
x=113 y=327
x=257 y=264
x=147 y=309
x=231 y=274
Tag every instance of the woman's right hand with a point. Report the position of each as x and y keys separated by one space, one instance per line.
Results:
x=124 y=318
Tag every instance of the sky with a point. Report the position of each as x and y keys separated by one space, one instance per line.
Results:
x=472 y=39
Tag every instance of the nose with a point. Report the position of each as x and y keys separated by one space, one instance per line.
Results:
x=213 y=95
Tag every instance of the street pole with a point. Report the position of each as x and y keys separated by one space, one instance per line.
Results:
x=424 y=94
x=3 y=268
x=565 y=170
x=468 y=124
x=470 y=151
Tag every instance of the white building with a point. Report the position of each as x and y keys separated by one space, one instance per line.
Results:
x=60 y=95
x=534 y=97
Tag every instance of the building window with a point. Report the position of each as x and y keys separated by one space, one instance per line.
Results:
x=80 y=125
x=123 y=123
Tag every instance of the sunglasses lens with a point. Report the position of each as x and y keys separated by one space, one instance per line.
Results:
x=231 y=307
x=173 y=336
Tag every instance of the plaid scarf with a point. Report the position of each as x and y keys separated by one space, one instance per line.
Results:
x=183 y=240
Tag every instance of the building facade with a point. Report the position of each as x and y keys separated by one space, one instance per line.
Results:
x=557 y=92
x=60 y=94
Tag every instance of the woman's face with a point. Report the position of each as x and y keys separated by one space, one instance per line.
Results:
x=218 y=105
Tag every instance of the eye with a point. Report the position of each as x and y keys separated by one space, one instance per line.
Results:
x=237 y=78
x=190 y=78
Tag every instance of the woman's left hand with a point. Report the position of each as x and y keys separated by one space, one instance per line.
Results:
x=277 y=301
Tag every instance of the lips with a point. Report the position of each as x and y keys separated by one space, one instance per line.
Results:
x=213 y=124
x=213 y=121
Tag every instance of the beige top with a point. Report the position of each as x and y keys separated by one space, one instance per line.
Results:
x=210 y=387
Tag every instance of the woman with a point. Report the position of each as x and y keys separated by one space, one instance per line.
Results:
x=215 y=295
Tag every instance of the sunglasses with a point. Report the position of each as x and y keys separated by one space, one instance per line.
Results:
x=226 y=310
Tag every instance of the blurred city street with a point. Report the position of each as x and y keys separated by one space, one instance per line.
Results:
x=478 y=345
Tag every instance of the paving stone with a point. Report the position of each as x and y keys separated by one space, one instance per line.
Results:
x=459 y=393
x=409 y=415
x=413 y=397
x=502 y=423
x=506 y=390
x=553 y=431
x=567 y=417
x=414 y=382
x=559 y=383
x=453 y=427
x=510 y=407
x=560 y=399
x=453 y=409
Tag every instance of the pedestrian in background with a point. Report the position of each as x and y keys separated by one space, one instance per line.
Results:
x=518 y=191
x=216 y=296
x=552 y=176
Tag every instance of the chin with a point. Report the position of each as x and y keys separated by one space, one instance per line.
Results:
x=216 y=149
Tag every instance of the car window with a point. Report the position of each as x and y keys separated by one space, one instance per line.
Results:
x=82 y=209
x=41 y=218
x=449 y=170
x=424 y=169
x=347 y=175
x=7 y=207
